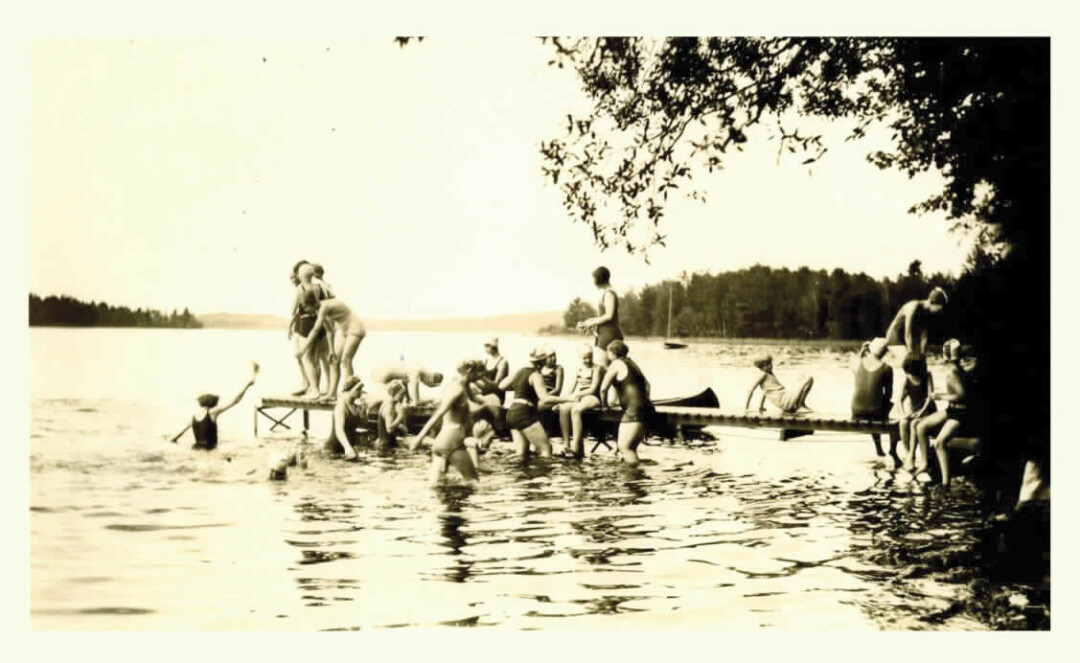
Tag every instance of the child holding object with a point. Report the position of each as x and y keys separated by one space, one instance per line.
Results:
x=788 y=402
x=204 y=423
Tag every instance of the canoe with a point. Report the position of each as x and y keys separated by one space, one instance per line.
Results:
x=671 y=345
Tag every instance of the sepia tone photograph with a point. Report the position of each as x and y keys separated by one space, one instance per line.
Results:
x=539 y=333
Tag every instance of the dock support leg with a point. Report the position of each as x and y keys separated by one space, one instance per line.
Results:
x=307 y=423
x=255 y=414
x=679 y=435
x=894 y=440
x=790 y=434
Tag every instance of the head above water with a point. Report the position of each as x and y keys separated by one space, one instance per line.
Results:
x=601 y=276
x=763 y=361
x=432 y=378
x=617 y=349
x=208 y=400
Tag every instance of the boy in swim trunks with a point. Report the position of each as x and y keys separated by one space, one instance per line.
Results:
x=456 y=418
x=793 y=402
x=909 y=328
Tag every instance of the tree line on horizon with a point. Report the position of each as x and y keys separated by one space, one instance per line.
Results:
x=64 y=311
x=767 y=302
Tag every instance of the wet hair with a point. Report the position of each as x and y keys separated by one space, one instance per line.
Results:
x=602 y=276
x=351 y=383
x=915 y=366
x=618 y=348
x=938 y=297
x=762 y=361
x=296 y=267
x=318 y=270
x=208 y=400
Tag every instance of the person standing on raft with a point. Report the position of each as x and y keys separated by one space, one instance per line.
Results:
x=305 y=314
x=204 y=423
x=910 y=326
x=793 y=402
x=454 y=414
x=605 y=326
x=634 y=399
x=334 y=313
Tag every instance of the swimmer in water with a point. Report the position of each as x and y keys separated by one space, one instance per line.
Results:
x=523 y=417
x=793 y=402
x=204 y=423
x=349 y=415
x=334 y=313
x=482 y=436
x=392 y=411
x=411 y=373
x=634 y=399
x=455 y=415
x=586 y=394
x=910 y=326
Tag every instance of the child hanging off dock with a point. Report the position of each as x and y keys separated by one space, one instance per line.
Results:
x=793 y=402
x=204 y=422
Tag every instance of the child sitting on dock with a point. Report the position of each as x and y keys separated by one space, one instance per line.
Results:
x=204 y=423
x=793 y=402
x=963 y=411
x=872 y=398
x=916 y=404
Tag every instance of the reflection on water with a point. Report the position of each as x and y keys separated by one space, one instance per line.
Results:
x=128 y=531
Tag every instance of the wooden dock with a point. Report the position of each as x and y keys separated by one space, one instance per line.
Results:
x=669 y=419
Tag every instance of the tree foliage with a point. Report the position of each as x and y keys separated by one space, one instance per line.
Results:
x=65 y=311
x=666 y=110
x=577 y=311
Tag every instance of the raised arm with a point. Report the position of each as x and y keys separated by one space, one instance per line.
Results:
x=216 y=412
x=444 y=407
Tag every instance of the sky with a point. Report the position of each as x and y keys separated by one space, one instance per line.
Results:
x=172 y=173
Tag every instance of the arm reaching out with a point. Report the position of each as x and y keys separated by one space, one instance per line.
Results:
x=181 y=433
x=221 y=408
x=444 y=407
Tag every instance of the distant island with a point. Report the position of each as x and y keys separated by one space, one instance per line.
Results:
x=64 y=311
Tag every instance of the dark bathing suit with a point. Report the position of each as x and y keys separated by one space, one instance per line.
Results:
x=309 y=311
x=490 y=374
x=205 y=430
x=869 y=399
x=549 y=379
x=521 y=415
x=387 y=439
x=608 y=331
x=632 y=396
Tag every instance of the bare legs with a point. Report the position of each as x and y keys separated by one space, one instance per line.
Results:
x=571 y=422
x=448 y=449
x=535 y=436
x=941 y=446
x=631 y=433
x=923 y=428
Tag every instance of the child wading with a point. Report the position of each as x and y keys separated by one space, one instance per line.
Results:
x=204 y=422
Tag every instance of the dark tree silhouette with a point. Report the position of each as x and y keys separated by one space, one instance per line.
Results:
x=66 y=311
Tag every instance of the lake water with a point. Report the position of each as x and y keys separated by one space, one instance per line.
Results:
x=128 y=531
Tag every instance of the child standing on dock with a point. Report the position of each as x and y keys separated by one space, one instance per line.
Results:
x=204 y=423
x=793 y=402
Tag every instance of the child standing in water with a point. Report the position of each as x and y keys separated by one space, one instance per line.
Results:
x=204 y=423
x=793 y=402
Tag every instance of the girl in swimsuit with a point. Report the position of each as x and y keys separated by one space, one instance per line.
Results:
x=523 y=417
x=350 y=333
x=605 y=326
x=586 y=394
x=454 y=413
x=306 y=307
x=204 y=423
x=294 y=327
x=916 y=404
x=960 y=396
x=634 y=398
x=793 y=402
x=323 y=346
x=348 y=416
x=552 y=374
x=873 y=388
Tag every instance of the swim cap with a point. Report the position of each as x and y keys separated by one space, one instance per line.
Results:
x=466 y=366
x=585 y=350
x=602 y=275
x=618 y=348
x=493 y=342
x=537 y=354
x=395 y=388
x=950 y=349
x=761 y=360
x=938 y=296
x=208 y=400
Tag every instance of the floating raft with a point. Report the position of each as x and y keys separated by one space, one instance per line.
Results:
x=672 y=418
